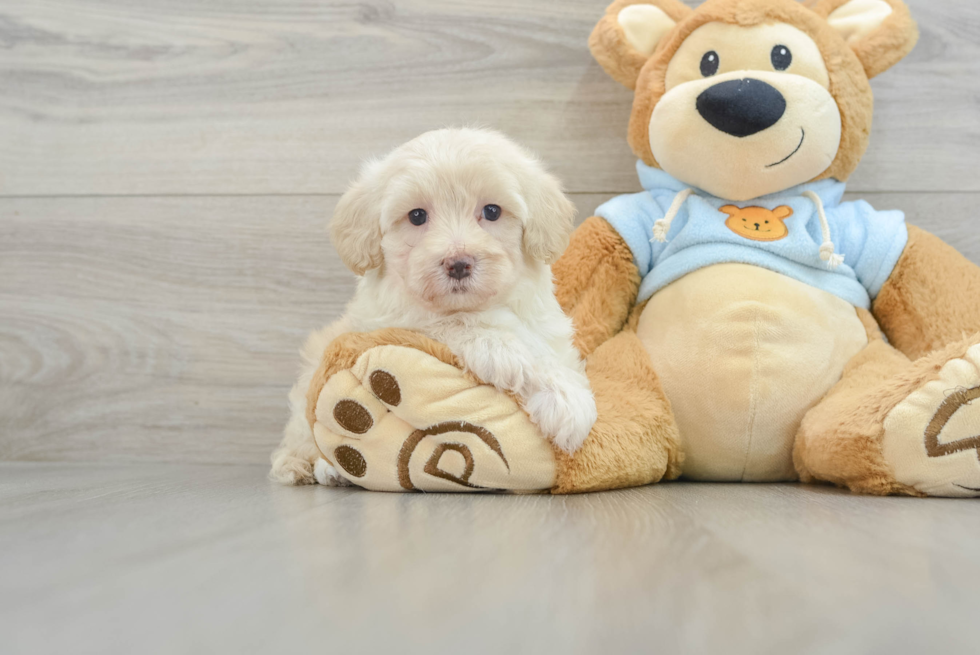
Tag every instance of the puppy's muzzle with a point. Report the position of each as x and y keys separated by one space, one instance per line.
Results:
x=460 y=268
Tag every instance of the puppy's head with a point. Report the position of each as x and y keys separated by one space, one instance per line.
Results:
x=455 y=215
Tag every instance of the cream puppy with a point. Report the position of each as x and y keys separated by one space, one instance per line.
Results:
x=453 y=235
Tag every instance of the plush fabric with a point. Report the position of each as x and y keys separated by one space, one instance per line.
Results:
x=344 y=351
x=871 y=241
x=635 y=440
x=743 y=353
x=931 y=299
x=596 y=283
x=884 y=47
x=848 y=76
x=740 y=355
x=644 y=26
x=867 y=433
x=843 y=439
x=787 y=123
x=839 y=440
x=392 y=422
x=610 y=48
x=444 y=430
x=944 y=412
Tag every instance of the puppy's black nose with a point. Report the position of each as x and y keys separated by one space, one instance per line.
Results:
x=742 y=107
x=458 y=268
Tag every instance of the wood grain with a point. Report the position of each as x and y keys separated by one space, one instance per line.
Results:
x=129 y=320
x=247 y=96
x=204 y=559
x=166 y=171
x=166 y=329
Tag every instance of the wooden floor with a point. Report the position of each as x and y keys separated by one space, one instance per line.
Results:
x=167 y=168
x=204 y=559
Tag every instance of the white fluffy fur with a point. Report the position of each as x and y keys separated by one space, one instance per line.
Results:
x=503 y=321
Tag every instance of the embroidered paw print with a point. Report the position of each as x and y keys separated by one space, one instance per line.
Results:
x=932 y=438
x=401 y=420
x=353 y=417
x=758 y=223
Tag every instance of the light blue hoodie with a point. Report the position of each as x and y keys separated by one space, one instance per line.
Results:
x=870 y=241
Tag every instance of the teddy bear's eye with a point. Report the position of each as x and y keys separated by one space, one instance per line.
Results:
x=709 y=63
x=781 y=57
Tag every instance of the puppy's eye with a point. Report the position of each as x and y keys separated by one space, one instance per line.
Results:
x=418 y=217
x=710 y=63
x=781 y=57
x=491 y=212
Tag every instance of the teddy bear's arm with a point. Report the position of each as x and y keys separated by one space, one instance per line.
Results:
x=596 y=283
x=931 y=299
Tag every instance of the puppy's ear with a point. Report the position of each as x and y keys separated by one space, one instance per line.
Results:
x=550 y=215
x=356 y=224
x=880 y=32
x=631 y=30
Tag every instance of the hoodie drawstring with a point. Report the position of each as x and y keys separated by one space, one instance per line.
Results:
x=662 y=227
x=827 y=247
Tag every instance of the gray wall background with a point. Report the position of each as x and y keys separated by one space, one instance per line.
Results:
x=167 y=168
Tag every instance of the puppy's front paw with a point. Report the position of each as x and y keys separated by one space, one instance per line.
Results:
x=497 y=362
x=328 y=475
x=565 y=412
x=290 y=470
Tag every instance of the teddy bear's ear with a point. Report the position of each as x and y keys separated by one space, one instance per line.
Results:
x=629 y=33
x=880 y=32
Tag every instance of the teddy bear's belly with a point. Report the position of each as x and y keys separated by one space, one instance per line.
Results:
x=743 y=353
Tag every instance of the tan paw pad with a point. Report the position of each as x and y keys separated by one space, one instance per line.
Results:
x=932 y=438
x=400 y=420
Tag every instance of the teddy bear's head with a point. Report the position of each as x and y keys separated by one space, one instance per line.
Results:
x=743 y=98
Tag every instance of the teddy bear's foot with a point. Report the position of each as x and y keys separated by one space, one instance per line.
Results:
x=402 y=420
x=895 y=426
x=932 y=438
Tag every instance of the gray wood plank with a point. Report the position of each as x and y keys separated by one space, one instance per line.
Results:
x=129 y=320
x=198 y=559
x=166 y=329
x=247 y=96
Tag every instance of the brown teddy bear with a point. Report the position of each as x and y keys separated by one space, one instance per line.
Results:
x=740 y=321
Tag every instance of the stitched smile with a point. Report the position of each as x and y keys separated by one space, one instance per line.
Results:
x=783 y=161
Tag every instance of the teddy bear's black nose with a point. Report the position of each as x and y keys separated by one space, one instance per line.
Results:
x=742 y=107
